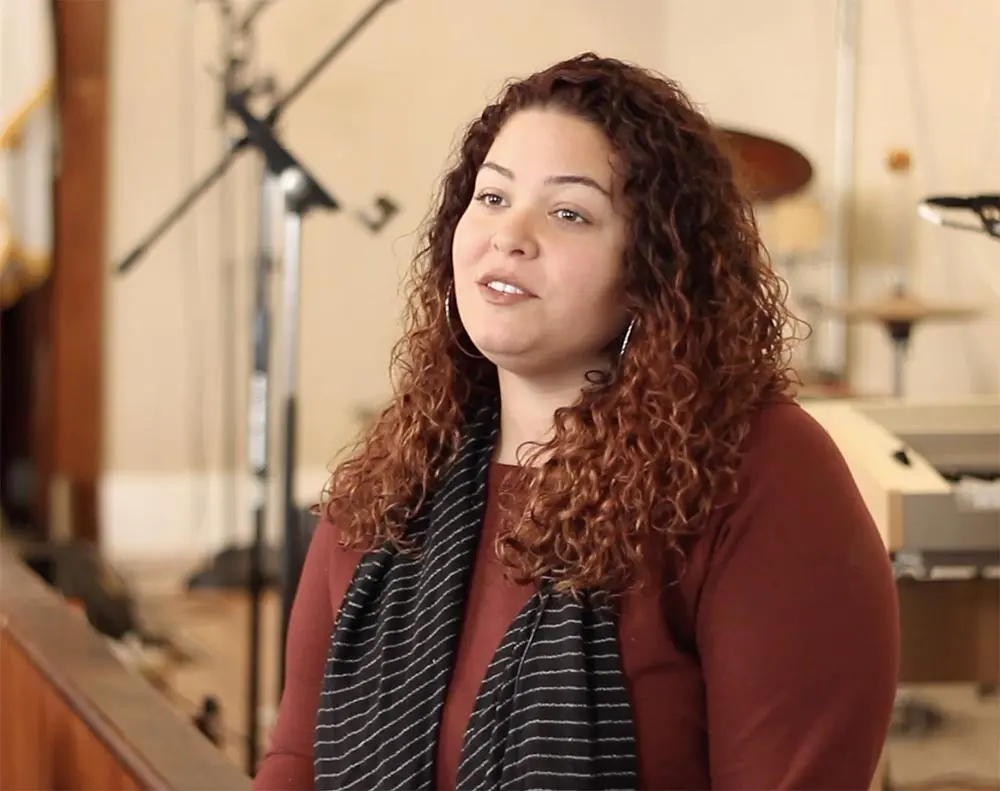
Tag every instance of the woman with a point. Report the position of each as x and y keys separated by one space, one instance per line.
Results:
x=591 y=543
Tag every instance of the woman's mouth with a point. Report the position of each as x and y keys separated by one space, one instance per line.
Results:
x=504 y=288
x=500 y=292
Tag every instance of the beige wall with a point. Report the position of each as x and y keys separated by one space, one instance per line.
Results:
x=926 y=72
x=383 y=118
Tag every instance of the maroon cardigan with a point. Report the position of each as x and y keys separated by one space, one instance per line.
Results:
x=771 y=665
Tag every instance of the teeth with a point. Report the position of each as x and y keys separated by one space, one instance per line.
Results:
x=505 y=288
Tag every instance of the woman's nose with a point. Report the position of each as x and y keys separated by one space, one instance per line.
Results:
x=515 y=238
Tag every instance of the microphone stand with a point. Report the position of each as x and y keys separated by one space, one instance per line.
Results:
x=302 y=193
x=386 y=206
x=230 y=565
x=986 y=207
x=235 y=568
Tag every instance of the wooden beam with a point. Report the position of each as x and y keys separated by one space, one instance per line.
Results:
x=78 y=279
x=74 y=716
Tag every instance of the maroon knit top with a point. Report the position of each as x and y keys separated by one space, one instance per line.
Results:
x=771 y=664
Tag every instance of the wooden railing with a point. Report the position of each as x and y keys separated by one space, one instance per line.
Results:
x=72 y=716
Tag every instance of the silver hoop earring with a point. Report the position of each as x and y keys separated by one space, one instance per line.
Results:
x=625 y=340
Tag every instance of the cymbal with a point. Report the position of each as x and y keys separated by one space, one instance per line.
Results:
x=768 y=168
x=904 y=308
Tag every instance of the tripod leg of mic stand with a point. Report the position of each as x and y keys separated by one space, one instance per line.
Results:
x=256 y=585
x=292 y=550
x=258 y=446
x=229 y=567
x=291 y=268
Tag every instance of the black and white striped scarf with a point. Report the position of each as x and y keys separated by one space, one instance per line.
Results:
x=552 y=711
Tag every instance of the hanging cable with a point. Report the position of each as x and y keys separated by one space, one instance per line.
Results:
x=191 y=307
x=233 y=63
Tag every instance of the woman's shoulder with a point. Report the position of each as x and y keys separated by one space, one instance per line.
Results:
x=795 y=501
x=792 y=466
x=337 y=561
x=327 y=538
x=784 y=435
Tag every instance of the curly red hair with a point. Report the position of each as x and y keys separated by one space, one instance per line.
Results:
x=644 y=458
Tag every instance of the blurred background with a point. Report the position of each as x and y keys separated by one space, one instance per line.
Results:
x=133 y=237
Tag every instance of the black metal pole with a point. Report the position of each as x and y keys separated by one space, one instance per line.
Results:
x=257 y=449
x=247 y=22
x=306 y=193
x=301 y=193
x=306 y=79
x=219 y=170
x=199 y=189
x=277 y=161
x=256 y=585
x=292 y=555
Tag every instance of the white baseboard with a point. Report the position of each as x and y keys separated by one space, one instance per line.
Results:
x=180 y=517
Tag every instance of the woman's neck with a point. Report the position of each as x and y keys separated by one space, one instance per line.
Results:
x=527 y=408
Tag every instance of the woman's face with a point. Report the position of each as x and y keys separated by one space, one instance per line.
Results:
x=538 y=253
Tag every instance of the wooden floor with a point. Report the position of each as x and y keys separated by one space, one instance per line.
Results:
x=213 y=627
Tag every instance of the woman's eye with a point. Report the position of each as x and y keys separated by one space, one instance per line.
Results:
x=489 y=199
x=570 y=216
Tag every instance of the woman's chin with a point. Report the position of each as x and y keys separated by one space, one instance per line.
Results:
x=503 y=345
